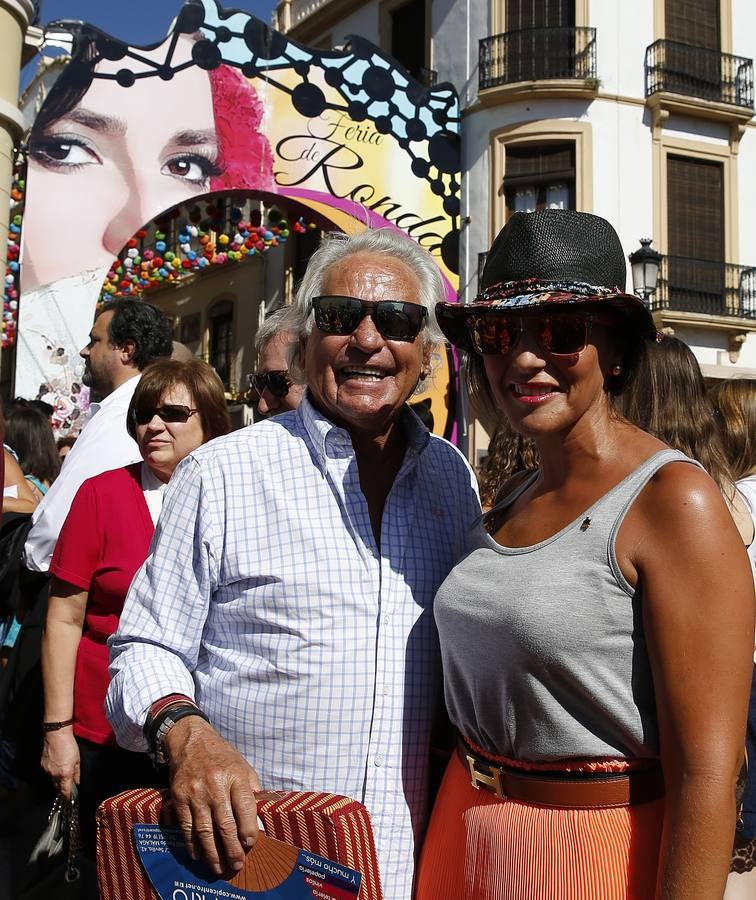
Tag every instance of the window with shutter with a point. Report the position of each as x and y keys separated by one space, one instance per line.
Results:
x=221 y=316
x=541 y=39
x=695 y=23
x=695 y=234
x=408 y=35
x=539 y=176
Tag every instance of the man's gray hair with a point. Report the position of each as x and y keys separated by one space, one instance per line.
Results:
x=334 y=249
x=273 y=325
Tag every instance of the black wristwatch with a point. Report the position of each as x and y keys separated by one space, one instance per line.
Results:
x=156 y=729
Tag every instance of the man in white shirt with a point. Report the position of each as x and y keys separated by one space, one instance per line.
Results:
x=288 y=595
x=126 y=336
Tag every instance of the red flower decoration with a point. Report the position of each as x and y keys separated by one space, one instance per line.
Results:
x=245 y=157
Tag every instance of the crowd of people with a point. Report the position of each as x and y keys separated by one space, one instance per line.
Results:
x=313 y=601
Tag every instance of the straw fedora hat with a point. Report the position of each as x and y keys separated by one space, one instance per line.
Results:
x=557 y=256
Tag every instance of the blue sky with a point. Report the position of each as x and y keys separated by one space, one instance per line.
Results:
x=136 y=21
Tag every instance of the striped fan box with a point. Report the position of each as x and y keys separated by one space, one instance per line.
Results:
x=327 y=824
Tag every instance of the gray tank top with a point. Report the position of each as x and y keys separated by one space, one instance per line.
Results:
x=543 y=646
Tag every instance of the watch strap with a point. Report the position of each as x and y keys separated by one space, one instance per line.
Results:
x=158 y=726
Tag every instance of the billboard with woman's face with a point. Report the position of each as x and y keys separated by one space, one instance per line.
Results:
x=224 y=103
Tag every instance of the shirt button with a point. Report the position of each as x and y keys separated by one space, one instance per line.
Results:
x=386 y=690
x=387 y=620
x=378 y=761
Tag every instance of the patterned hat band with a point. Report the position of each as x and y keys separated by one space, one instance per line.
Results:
x=527 y=291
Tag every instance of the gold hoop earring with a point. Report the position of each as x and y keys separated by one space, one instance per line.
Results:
x=616 y=370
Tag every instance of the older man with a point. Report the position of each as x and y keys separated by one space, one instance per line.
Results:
x=275 y=390
x=289 y=589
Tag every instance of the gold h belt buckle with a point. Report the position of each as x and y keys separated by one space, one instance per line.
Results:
x=479 y=779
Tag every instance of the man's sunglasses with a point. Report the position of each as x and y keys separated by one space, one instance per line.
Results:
x=169 y=412
x=395 y=320
x=277 y=383
x=560 y=334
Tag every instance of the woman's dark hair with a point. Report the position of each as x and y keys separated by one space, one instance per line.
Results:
x=202 y=382
x=734 y=404
x=668 y=399
x=72 y=83
x=28 y=432
x=90 y=47
x=142 y=324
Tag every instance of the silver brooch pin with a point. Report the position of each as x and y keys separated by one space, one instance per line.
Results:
x=586 y=524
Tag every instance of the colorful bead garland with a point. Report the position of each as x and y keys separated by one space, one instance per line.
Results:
x=201 y=243
x=11 y=283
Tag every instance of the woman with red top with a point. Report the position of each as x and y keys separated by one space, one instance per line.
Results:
x=176 y=407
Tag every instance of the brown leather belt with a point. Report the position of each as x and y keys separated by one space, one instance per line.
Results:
x=568 y=791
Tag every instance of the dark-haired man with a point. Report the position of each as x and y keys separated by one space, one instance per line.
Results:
x=126 y=337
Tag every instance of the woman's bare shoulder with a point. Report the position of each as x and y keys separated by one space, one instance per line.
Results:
x=679 y=497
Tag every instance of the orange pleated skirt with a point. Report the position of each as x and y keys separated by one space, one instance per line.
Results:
x=479 y=847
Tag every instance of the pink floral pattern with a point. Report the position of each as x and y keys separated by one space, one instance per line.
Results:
x=245 y=159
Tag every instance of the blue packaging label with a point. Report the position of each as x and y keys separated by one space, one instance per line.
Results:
x=174 y=875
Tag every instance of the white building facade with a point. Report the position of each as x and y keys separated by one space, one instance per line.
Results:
x=638 y=112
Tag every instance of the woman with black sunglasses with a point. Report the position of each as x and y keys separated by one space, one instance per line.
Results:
x=176 y=407
x=597 y=633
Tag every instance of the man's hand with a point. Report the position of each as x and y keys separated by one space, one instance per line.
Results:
x=212 y=787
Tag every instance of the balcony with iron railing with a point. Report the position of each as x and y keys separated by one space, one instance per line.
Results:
x=705 y=288
x=561 y=58
x=695 y=81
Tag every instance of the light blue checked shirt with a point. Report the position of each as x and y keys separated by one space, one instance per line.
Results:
x=313 y=651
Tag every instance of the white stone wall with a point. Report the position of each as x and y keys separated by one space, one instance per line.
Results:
x=456 y=28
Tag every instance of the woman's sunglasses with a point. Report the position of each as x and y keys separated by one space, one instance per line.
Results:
x=276 y=383
x=561 y=334
x=169 y=412
x=395 y=320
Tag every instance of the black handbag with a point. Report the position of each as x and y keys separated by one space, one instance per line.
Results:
x=54 y=867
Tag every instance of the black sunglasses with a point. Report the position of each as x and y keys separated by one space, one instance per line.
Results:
x=169 y=412
x=277 y=382
x=395 y=320
x=560 y=334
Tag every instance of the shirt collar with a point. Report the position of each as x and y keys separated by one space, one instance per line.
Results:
x=329 y=440
x=124 y=390
x=150 y=481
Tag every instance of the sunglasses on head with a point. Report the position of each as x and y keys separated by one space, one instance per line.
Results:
x=395 y=320
x=276 y=382
x=559 y=334
x=169 y=412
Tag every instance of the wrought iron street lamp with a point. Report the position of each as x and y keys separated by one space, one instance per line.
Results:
x=644 y=264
